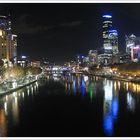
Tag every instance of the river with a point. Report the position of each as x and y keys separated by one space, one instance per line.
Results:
x=72 y=106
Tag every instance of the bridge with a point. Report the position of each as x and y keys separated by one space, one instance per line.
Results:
x=60 y=70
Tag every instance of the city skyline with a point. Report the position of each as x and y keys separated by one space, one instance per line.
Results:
x=69 y=70
x=52 y=30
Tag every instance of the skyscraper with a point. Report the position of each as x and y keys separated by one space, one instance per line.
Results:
x=13 y=50
x=110 y=41
x=7 y=40
x=133 y=47
x=107 y=25
x=130 y=43
x=110 y=35
x=113 y=37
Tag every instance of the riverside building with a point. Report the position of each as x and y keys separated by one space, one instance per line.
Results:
x=8 y=41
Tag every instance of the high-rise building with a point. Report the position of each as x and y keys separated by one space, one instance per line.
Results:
x=107 y=25
x=8 y=42
x=110 y=41
x=133 y=47
x=110 y=36
x=113 y=37
x=130 y=43
x=13 y=50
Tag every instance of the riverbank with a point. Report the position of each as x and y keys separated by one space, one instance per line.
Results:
x=113 y=77
x=17 y=88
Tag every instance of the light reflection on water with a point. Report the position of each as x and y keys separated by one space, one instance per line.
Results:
x=91 y=90
x=111 y=106
x=9 y=108
x=130 y=102
x=74 y=87
x=82 y=86
x=88 y=87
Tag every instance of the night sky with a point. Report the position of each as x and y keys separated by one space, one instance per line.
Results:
x=61 y=31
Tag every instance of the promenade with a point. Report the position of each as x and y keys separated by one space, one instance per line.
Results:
x=9 y=86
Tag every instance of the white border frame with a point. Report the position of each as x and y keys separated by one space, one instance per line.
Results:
x=69 y=1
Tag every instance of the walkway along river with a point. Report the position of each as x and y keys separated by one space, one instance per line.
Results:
x=72 y=106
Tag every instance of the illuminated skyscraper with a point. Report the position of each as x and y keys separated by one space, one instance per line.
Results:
x=8 y=42
x=113 y=37
x=13 y=50
x=110 y=36
x=107 y=25
x=130 y=43
x=133 y=47
x=110 y=42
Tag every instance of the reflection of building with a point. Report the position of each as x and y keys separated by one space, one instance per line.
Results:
x=130 y=102
x=8 y=42
x=110 y=107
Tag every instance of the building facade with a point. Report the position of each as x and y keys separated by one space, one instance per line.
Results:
x=110 y=42
x=8 y=42
x=121 y=58
x=130 y=43
x=107 y=25
x=110 y=35
x=93 y=57
x=133 y=47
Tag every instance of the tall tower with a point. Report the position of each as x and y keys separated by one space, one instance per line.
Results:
x=7 y=40
x=107 y=25
x=13 y=50
x=4 y=39
x=110 y=35
x=130 y=43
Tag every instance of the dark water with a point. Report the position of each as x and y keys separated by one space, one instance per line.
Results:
x=73 y=106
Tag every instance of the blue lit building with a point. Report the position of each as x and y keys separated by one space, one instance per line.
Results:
x=113 y=37
x=110 y=42
x=110 y=35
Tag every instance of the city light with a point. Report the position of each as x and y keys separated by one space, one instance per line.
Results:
x=107 y=16
x=60 y=67
x=83 y=90
x=23 y=56
x=108 y=91
x=91 y=90
x=0 y=32
x=74 y=87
